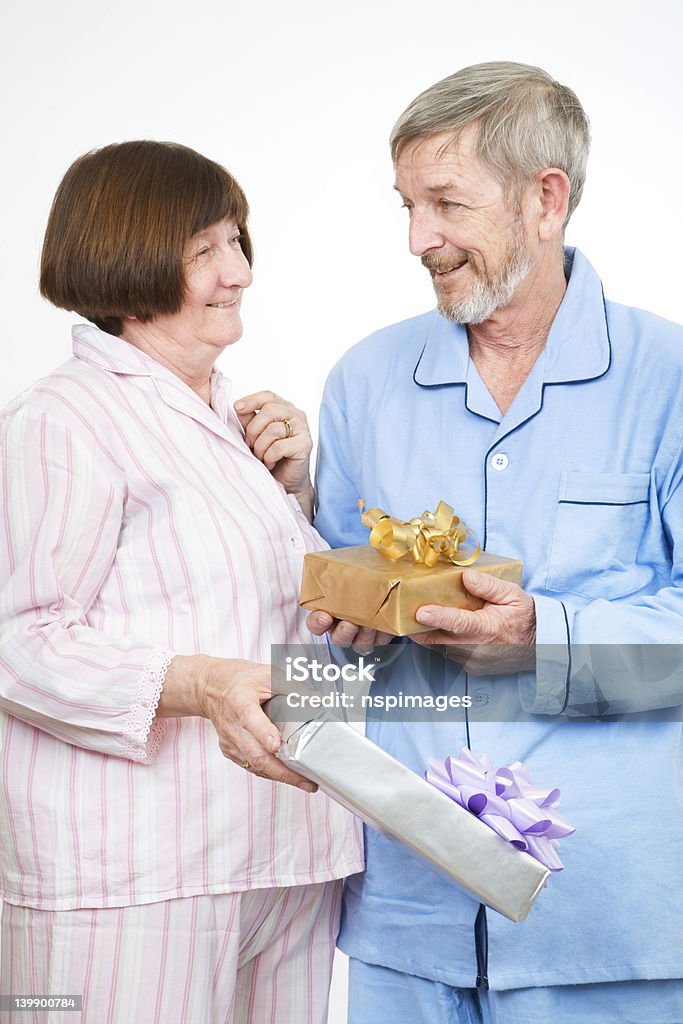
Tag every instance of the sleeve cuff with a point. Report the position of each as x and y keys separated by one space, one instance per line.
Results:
x=544 y=692
x=144 y=732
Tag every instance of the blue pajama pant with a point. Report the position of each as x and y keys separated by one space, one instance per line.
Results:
x=378 y=995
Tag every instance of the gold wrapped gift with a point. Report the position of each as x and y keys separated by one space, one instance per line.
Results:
x=380 y=588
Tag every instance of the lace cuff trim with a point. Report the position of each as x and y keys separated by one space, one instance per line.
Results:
x=143 y=733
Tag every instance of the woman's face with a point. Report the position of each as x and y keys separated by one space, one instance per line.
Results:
x=216 y=272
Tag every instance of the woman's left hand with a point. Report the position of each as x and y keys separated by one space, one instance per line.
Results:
x=277 y=433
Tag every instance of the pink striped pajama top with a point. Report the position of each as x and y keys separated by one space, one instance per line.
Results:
x=136 y=524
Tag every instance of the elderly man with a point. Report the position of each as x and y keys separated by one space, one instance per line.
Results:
x=551 y=420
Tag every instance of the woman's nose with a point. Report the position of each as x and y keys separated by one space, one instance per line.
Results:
x=235 y=270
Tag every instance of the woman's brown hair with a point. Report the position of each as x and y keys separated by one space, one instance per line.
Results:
x=119 y=225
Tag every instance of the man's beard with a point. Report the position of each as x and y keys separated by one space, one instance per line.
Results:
x=489 y=291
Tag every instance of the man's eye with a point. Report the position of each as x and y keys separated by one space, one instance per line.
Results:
x=448 y=204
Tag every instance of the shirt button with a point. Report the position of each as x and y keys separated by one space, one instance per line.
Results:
x=500 y=461
x=294 y=542
x=480 y=697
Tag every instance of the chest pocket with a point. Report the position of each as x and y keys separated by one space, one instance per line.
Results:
x=600 y=521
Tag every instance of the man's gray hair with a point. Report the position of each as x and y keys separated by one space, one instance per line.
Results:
x=526 y=121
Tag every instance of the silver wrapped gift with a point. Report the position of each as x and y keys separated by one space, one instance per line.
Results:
x=395 y=801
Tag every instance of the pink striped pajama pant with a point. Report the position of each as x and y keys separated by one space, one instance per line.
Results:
x=257 y=957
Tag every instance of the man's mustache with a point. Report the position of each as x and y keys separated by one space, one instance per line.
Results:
x=441 y=264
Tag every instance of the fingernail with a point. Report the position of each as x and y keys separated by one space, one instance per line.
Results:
x=273 y=744
x=308 y=787
x=474 y=576
x=240 y=406
x=424 y=615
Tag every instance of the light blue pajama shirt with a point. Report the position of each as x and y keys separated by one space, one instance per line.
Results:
x=581 y=480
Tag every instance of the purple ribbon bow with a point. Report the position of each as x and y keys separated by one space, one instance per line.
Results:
x=505 y=800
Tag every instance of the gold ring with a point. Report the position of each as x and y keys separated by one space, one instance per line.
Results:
x=246 y=765
x=289 y=431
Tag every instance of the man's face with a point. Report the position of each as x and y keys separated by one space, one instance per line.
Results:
x=470 y=239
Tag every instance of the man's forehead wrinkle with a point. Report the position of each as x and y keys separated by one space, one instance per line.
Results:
x=448 y=167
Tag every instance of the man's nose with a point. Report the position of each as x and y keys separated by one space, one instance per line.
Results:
x=424 y=233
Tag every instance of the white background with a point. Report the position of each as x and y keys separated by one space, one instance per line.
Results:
x=297 y=100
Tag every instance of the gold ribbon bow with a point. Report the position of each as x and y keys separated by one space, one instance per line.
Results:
x=428 y=537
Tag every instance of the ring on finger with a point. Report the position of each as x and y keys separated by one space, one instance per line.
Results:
x=289 y=429
x=246 y=765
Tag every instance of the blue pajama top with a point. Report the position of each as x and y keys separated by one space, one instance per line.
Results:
x=582 y=480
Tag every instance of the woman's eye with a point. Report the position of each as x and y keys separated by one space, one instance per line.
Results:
x=448 y=204
x=199 y=254
x=236 y=241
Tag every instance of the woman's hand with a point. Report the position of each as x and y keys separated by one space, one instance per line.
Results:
x=229 y=692
x=277 y=433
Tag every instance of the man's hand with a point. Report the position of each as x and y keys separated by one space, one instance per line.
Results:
x=277 y=433
x=347 y=634
x=498 y=638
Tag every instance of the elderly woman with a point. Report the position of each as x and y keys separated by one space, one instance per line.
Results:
x=152 y=545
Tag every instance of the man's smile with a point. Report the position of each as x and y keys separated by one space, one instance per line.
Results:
x=438 y=268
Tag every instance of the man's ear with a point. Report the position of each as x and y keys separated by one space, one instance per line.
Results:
x=552 y=193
